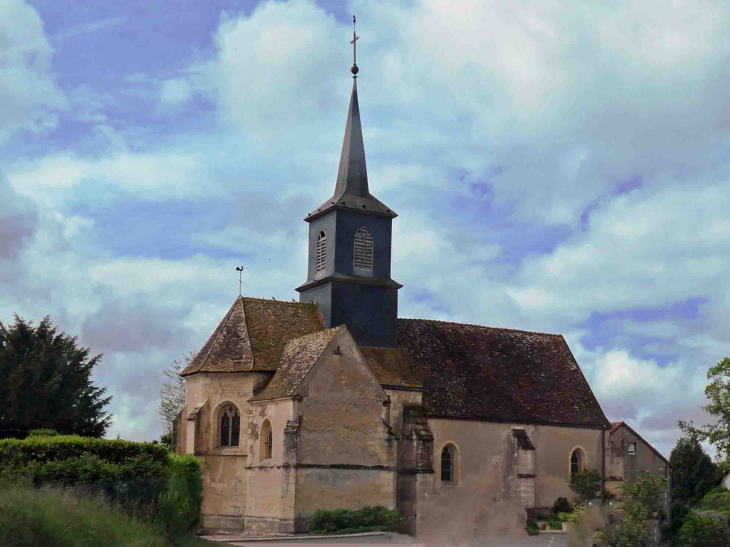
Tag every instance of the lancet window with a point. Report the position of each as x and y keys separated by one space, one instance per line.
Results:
x=230 y=426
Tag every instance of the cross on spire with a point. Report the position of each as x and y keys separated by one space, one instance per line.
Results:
x=354 y=40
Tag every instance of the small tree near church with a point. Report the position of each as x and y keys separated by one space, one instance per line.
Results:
x=45 y=383
x=718 y=393
x=172 y=394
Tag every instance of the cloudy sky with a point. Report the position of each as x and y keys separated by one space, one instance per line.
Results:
x=556 y=167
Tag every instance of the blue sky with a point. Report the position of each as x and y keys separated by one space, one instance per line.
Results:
x=556 y=167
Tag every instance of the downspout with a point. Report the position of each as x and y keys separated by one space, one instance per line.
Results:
x=603 y=461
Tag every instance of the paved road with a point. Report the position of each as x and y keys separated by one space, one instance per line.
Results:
x=543 y=540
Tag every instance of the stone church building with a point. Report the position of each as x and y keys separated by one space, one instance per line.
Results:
x=336 y=402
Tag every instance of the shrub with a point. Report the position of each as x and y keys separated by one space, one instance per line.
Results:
x=180 y=504
x=555 y=524
x=146 y=480
x=561 y=505
x=586 y=484
x=43 y=433
x=53 y=517
x=21 y=452
x=532 y=529
x=701 y=531
x=348 y=520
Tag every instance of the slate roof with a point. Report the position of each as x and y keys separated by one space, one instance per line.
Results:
x=495 y=374
x=351 y=188
x=297 y=359
x=253 y=334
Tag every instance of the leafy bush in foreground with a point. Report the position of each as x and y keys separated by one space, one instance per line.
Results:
x=366 y=519
x=56 y=518
x=561 y=505
x=143 y=478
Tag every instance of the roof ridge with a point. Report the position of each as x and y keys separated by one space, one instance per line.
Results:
x=275 y=300
x=480 y=326
x=220 y=331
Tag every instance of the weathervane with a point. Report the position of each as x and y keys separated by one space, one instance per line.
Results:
x=355 y=38
x=239 y=269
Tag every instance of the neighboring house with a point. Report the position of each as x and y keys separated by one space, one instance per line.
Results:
x=335 y=402
x=627 y=455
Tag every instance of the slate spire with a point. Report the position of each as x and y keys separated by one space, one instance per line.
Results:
x=352 y=176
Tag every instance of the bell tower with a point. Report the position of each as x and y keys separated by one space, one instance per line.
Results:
x=350 y=234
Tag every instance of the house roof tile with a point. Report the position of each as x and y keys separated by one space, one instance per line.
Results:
x=297 y=359
x=253 y=334
x=505 y=375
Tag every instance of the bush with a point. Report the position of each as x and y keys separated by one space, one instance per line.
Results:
x=561 y=505
x=532 y=529
x=701 y=531
x=54 y=517
x=43 y=433
x=717 y=499
x=181 y=503
x=350 y=521
x=555 y=524
x=586 y=484
x=146 y=480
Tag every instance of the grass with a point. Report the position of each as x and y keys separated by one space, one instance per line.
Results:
x=51 y=517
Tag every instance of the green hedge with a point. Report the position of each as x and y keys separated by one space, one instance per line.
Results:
x=143 y=478
x=36 y=448
x=349 y=521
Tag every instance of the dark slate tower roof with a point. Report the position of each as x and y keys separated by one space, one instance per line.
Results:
x=351 y=188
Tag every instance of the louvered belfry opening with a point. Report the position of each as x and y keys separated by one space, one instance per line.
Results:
x=363 y=250
x=321 y=251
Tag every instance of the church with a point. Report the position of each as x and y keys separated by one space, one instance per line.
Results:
x=336 y=402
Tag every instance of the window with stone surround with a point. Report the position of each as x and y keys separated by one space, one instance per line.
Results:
x=449 y=468
x=363 y=259
x=321 y=251
x=576 y=462
x=266 y=441
x=230 y=426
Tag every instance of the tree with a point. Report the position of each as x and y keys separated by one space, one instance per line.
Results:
x=172 y=394
x=703 y=531
x=718 y=393
x=643 y=499
x=693 y=473
x=45 y=383
x=586 y=484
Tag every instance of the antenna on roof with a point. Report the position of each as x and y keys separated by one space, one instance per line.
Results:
x=239 y=269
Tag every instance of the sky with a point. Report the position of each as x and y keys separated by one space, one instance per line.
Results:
x=556 y=166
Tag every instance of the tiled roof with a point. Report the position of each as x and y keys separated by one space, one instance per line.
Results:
x=297 y=359
x=503 y=375
x=252 y=335
x=391 y=367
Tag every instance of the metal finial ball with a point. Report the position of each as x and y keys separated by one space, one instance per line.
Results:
x=354 y=69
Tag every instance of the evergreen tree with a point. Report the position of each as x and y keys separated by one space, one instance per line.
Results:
x=693 y=473
x=45 y=382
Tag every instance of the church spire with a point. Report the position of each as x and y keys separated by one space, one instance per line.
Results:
x=352 y=176
x=351 y=187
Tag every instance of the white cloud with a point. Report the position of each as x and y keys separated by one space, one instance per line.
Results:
x=28 y=92
x=175 y=91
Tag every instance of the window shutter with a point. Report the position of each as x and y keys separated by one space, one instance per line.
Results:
x=363 y=250
x=321 y=251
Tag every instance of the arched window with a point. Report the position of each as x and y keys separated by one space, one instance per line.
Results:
x=448 y=464
x=230 y=426
x=321 y=251
x=576 y=462
x=266 y=442
x=363 y=250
